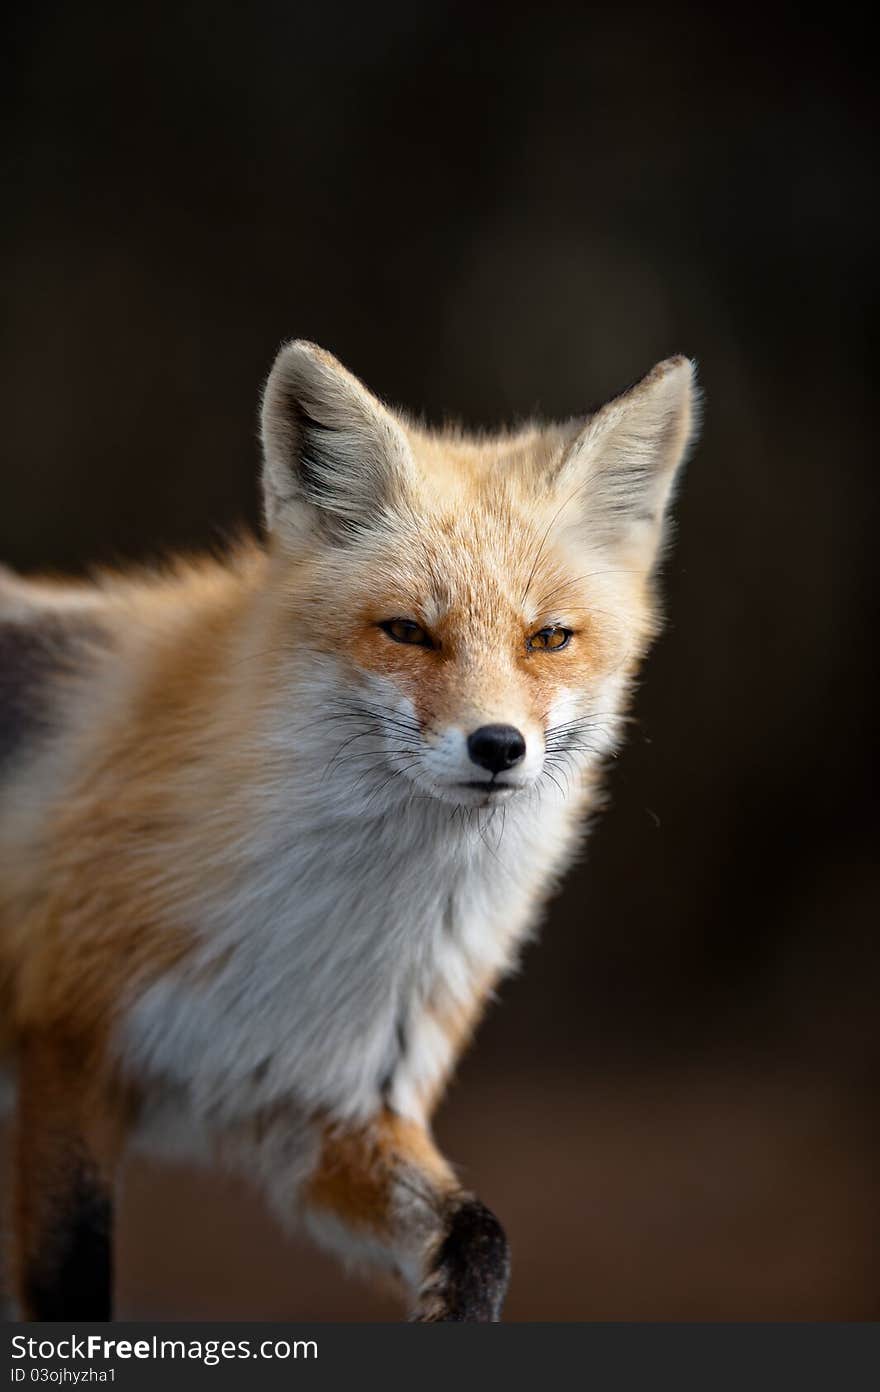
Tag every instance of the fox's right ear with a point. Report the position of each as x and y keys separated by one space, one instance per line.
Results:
x=333 y=456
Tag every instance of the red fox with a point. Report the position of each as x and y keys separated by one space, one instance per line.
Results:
x=272 y=828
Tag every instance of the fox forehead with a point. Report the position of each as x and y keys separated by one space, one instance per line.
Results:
x=481 y=533
x=467 y=565
x=458 y=572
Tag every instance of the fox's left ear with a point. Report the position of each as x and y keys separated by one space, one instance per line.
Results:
x=624 y=461
x=334 y=456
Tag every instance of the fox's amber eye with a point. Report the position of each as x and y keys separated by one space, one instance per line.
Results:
x=551 y=639
x=406 y=631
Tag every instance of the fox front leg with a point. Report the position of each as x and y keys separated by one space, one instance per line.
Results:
x=66 y=1144
x=384 y=1192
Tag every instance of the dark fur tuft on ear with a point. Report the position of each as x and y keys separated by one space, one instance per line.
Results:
x=333 y=454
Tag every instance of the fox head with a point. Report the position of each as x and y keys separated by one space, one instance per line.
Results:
x=477 y=606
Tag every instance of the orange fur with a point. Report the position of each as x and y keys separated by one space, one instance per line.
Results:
x=357 y=1170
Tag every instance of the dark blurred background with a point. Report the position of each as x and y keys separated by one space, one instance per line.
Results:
x=489 y=210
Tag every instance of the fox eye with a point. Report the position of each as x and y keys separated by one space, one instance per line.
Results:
x=406 y=631
x=551 y=639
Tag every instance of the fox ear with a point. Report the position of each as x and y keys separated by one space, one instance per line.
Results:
x=332 y=453
x=624 y=461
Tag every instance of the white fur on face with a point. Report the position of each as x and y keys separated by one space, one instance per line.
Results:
x=448 y=767
x=437 y=760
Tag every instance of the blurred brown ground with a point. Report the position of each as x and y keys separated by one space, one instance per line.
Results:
x=685 y=1197
x=484 y=211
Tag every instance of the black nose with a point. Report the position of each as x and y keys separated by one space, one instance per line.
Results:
x=496 y=747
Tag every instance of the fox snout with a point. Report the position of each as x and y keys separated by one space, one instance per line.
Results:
x=488 y=760
x=496 y=747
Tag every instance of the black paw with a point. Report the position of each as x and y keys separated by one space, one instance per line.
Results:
x=471 y=1270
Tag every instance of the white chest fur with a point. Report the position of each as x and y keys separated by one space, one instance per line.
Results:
x=328 y=950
